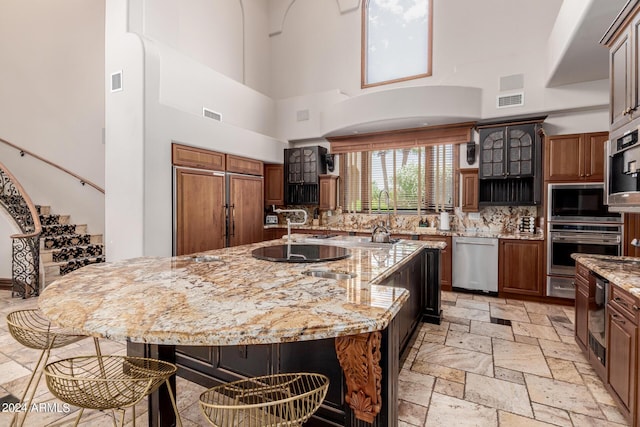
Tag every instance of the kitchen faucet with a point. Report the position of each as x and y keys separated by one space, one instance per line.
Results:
x=289 y=223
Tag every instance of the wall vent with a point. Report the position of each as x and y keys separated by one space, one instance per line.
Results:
x=302 y=115
x=211 y=114
x=116 y=81
x=511 y=100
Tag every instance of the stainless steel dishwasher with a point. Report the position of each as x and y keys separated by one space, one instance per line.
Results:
x=475 y=264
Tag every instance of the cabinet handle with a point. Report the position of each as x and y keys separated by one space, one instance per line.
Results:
x=617 y=318
x=621 y=302
x=573 y=284
x=588 y=174
x=636 y=308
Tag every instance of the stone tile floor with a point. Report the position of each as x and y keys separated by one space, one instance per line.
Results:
x=492 y=362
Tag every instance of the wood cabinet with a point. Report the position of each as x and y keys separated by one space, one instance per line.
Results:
x=243 y=165
x=508 y=151
x=445 y=260
x=582 y=301
x=631 y=231
x=622 y=38
x=273 y=233
x=469 y=179
x=200 y=211
x=328 y=192
x=575 y=157
x=245 y=209
x=184 y=155
x=622 y=338
x=510 y=171
x=302 y=168
x=274 y=184
x=521 y=267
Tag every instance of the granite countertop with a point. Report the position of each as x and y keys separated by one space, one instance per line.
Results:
x=419 y=231
x=623 y=271
x=232 y=298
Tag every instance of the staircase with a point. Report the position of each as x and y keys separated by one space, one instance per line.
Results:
x=65 y=247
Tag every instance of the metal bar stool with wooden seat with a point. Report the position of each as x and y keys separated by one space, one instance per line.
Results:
x=31 y=329
x=267 y=401
x=108 y=382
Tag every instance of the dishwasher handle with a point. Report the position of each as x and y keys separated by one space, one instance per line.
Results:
x=491 y=242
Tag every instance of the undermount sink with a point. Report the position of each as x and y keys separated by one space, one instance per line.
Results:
x=351 y=241
x=328 y=274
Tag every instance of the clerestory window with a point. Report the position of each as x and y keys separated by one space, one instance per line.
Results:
x=396 y=40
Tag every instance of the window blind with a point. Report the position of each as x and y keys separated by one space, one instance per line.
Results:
x=416 y=179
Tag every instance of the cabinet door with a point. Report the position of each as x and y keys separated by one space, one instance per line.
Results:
x=445 y=260
x=274 y=185
x=582 y=312
x=520 y=154
x=520 y=267
x=563 y=154
x=183 y=155
x=594 y=156
x=619 y=72
x=469 y=190
x=243 y=165
x=293 y=165
x=634 y=68
x=328 y=191
x=246 y=210
x=621 y=355
x=200 y=212
x=492 y=149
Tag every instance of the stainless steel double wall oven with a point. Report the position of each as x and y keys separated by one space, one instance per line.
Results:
x=578 y=221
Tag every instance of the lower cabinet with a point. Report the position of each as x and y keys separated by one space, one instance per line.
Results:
x=445 y=260
x=621 y=364
x=521 y=267
x=622 y=319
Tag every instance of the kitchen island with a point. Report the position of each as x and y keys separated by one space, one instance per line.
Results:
x=225 y=315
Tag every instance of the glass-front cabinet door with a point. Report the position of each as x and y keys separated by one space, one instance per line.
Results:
x=507 y=151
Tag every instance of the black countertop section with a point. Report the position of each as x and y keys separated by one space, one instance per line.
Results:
x=300 y=253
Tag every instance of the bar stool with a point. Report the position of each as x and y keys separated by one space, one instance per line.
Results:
x=267 y=401
x=31 y=329
x=108 y=382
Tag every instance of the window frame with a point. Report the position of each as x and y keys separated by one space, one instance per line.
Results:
x=363 y=50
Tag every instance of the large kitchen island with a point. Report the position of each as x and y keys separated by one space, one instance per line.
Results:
x=224 y=315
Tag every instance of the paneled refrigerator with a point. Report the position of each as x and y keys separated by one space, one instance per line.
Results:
x=215 y=209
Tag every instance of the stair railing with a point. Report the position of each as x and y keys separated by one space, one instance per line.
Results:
x=24 y=152
x=25 y=265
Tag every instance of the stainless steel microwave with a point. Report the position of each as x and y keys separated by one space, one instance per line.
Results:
x=622 y=164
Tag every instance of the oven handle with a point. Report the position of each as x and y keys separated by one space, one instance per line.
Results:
x=585 y=239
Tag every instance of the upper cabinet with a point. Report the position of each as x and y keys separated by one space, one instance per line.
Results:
x=507 y=151
x=184 y=155
x=302 y=168
x=575 y=158
x=469 y=180
x=623 y=40
x=274 y=184
x=243 y=165
x=510 y=170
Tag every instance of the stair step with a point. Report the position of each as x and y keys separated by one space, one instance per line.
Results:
x=67 y=240
x=62 y=229
x=54 y=219
x=43 y=210
x=55 y=270
x=65 y=254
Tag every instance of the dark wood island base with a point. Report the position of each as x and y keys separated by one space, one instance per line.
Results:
x=354 y=399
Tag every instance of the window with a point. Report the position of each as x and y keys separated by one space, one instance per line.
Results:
x=419 y=178
x=396 y=40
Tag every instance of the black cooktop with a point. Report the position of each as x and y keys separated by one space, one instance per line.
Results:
x=300 y=253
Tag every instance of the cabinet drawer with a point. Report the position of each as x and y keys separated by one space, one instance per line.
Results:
x=243 y=165
x=624 y=302
x=583 y=271
x=183 y=155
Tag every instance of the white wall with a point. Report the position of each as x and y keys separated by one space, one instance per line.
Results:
x=52 y=104
x=162 y=102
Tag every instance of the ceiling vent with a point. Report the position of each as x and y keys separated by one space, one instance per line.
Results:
x=211 y=114
x=511 y=100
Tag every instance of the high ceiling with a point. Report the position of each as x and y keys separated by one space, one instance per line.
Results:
x=584 y=59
